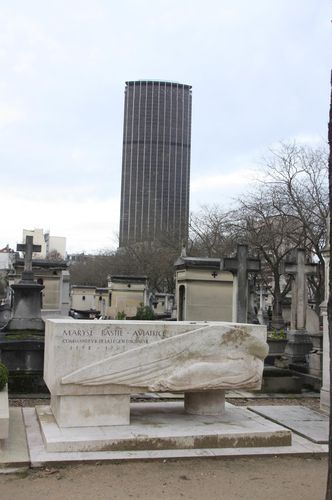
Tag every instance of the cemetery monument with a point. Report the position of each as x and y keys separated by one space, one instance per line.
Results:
x=241 y=265
x=27 y=294
x=22 y=340
x=299 y=342
x=92 y=367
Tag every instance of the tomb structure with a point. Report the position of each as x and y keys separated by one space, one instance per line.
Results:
x=93 y=367
x=22 y=340
x=27 y=294
x=299 y=341
x=240 y=266
x=203 y=291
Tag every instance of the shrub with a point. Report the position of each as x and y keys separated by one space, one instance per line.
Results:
x=121 y=315
x=282 y=334
x=144 y=312
x=3 y=376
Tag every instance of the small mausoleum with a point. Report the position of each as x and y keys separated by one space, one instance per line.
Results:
x=203 y=291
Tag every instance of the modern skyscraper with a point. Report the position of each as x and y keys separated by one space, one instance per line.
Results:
x=155 y=161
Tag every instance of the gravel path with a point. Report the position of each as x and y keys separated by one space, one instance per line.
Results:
x=309 y=402
x=253 y=478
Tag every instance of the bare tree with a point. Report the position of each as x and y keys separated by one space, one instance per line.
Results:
x=154 y=259
x=271 y=236
x=210 y=234
x=285 y=211
x=93 y=269
x=297 y=175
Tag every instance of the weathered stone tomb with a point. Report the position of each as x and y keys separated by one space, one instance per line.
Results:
x=92 y=367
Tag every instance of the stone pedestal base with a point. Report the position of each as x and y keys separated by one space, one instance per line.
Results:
x=91 y=410
x=205 y=403
x=4 y=413
x=165 y=426
x=298 y=346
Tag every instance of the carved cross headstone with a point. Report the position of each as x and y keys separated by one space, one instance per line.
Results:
x=241 y=265
x=28 y=248
x=299 y=270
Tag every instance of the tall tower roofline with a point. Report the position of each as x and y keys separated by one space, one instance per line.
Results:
x=152 y=81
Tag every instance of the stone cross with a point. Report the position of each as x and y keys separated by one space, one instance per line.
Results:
x=28 y=247
x=241 y=265
x=299 y=270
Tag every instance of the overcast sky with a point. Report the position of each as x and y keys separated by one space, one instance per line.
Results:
x=259 y=71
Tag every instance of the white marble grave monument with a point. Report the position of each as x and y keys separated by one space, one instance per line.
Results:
x=91 y=368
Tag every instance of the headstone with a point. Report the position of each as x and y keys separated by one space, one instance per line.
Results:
x=28 y=248
x=27 y=294
x=299 y=342
x=299 y=270
x=241 y=265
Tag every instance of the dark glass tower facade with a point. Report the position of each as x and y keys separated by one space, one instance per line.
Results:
x=155 y=161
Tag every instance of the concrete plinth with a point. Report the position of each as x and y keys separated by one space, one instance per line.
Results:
x=165 y=426
x=205 y=403
x=91 y=410
x=4 y=414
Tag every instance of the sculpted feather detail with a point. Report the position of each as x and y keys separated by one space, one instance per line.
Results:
x=210 y=357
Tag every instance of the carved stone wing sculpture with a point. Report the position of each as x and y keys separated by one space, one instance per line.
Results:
x=211 y=357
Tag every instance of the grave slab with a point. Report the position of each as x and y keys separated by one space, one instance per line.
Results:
x=39 y=456
x=304 y=421
x=161 y=426
x=14 y=449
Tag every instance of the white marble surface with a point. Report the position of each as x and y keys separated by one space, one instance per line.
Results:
x=91 y=367
x=165 y=426
x=112 y=357
x=39 y=456
x=14 y=449
x=4 y=413
x=91 y=410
